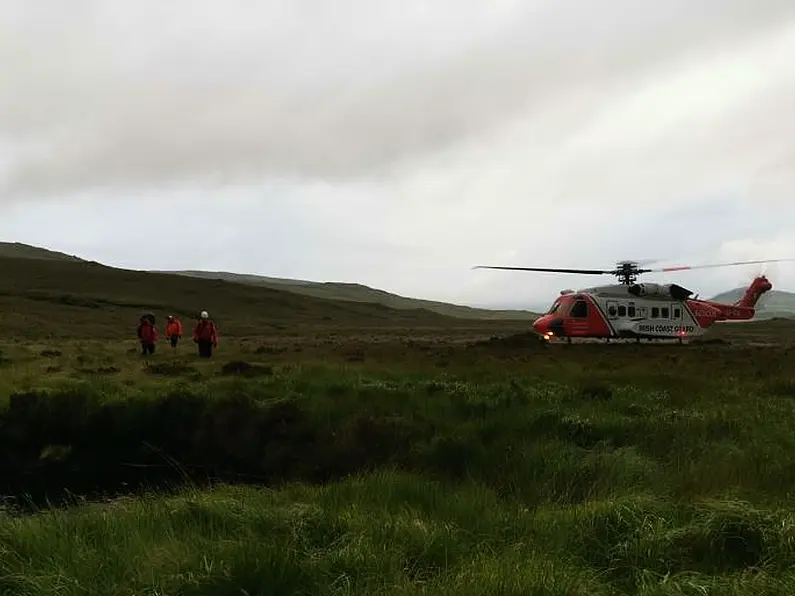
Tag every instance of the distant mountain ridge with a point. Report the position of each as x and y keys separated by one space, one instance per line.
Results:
x=773 y=304
x=354 y=292
x=776 y=303
x=334 y=291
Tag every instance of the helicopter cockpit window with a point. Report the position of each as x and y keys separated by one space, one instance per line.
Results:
x=579 y=310
x=554 y=308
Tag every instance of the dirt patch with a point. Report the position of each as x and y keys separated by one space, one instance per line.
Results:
x=519 y=340
x=239 y=367
x=170 y=369
x=102 y=370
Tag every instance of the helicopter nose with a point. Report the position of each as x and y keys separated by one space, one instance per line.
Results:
x=540 y=326
x=548 y=326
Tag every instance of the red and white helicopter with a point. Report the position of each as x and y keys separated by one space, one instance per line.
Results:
x=639 y=310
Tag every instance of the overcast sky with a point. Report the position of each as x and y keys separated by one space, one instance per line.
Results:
x=397 y=144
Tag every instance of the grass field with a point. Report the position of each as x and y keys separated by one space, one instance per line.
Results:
x=334 y=447
x=400 y=462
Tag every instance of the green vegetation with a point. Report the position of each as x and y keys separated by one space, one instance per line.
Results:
x=397 y=466
x=380 y=452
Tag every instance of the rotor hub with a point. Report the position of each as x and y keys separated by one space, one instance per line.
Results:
x=627 y=272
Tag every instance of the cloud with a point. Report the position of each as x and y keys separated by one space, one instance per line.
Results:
x=398 y=144
x=110 y=95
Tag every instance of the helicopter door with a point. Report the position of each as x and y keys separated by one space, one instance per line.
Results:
x=676 y=311
x=578 y=318
x=612 y=309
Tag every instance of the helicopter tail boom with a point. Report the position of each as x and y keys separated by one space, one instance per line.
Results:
x=759 y=286
x=743 y=309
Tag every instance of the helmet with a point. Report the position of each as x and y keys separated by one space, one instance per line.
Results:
x=204 y=315
x=170 y=317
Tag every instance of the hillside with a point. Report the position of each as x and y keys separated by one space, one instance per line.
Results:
x=775 y=303
x=52 y=297
x=25 y=251
x=360 y=293
x=337 y=291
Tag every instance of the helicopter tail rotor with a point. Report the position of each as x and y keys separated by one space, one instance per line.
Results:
x=760 y=278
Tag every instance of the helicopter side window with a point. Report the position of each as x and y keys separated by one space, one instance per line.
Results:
x=677 y=313
x=655 y=312
x=622 y=311
x=611 y=310
x=631 y=311
x=579 y=310
x=665 y=312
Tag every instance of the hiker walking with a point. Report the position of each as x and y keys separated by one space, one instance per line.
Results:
x=147 y=334
x=205 y=335
x=173 y=330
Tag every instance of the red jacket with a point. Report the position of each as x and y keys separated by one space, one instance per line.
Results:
x=205 y=330
x=174 y=327
x=147 y=332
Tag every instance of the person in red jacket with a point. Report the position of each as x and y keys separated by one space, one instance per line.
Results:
x=173 y=330
x=147 y=334
x=205 y=335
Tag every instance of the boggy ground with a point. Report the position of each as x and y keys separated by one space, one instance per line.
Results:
x=402 y=463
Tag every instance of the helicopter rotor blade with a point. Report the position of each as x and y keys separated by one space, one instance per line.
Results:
x=547 y=269
x=642 y=262
x=689 y=267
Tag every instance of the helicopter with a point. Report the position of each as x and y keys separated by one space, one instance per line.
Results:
x=630 y=309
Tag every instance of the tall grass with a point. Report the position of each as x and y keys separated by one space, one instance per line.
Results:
x=450 y=470
x=388 y=533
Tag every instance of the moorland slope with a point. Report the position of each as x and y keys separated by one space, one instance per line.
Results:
x=26 y=251
x=41 y=297
x=355 y=292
